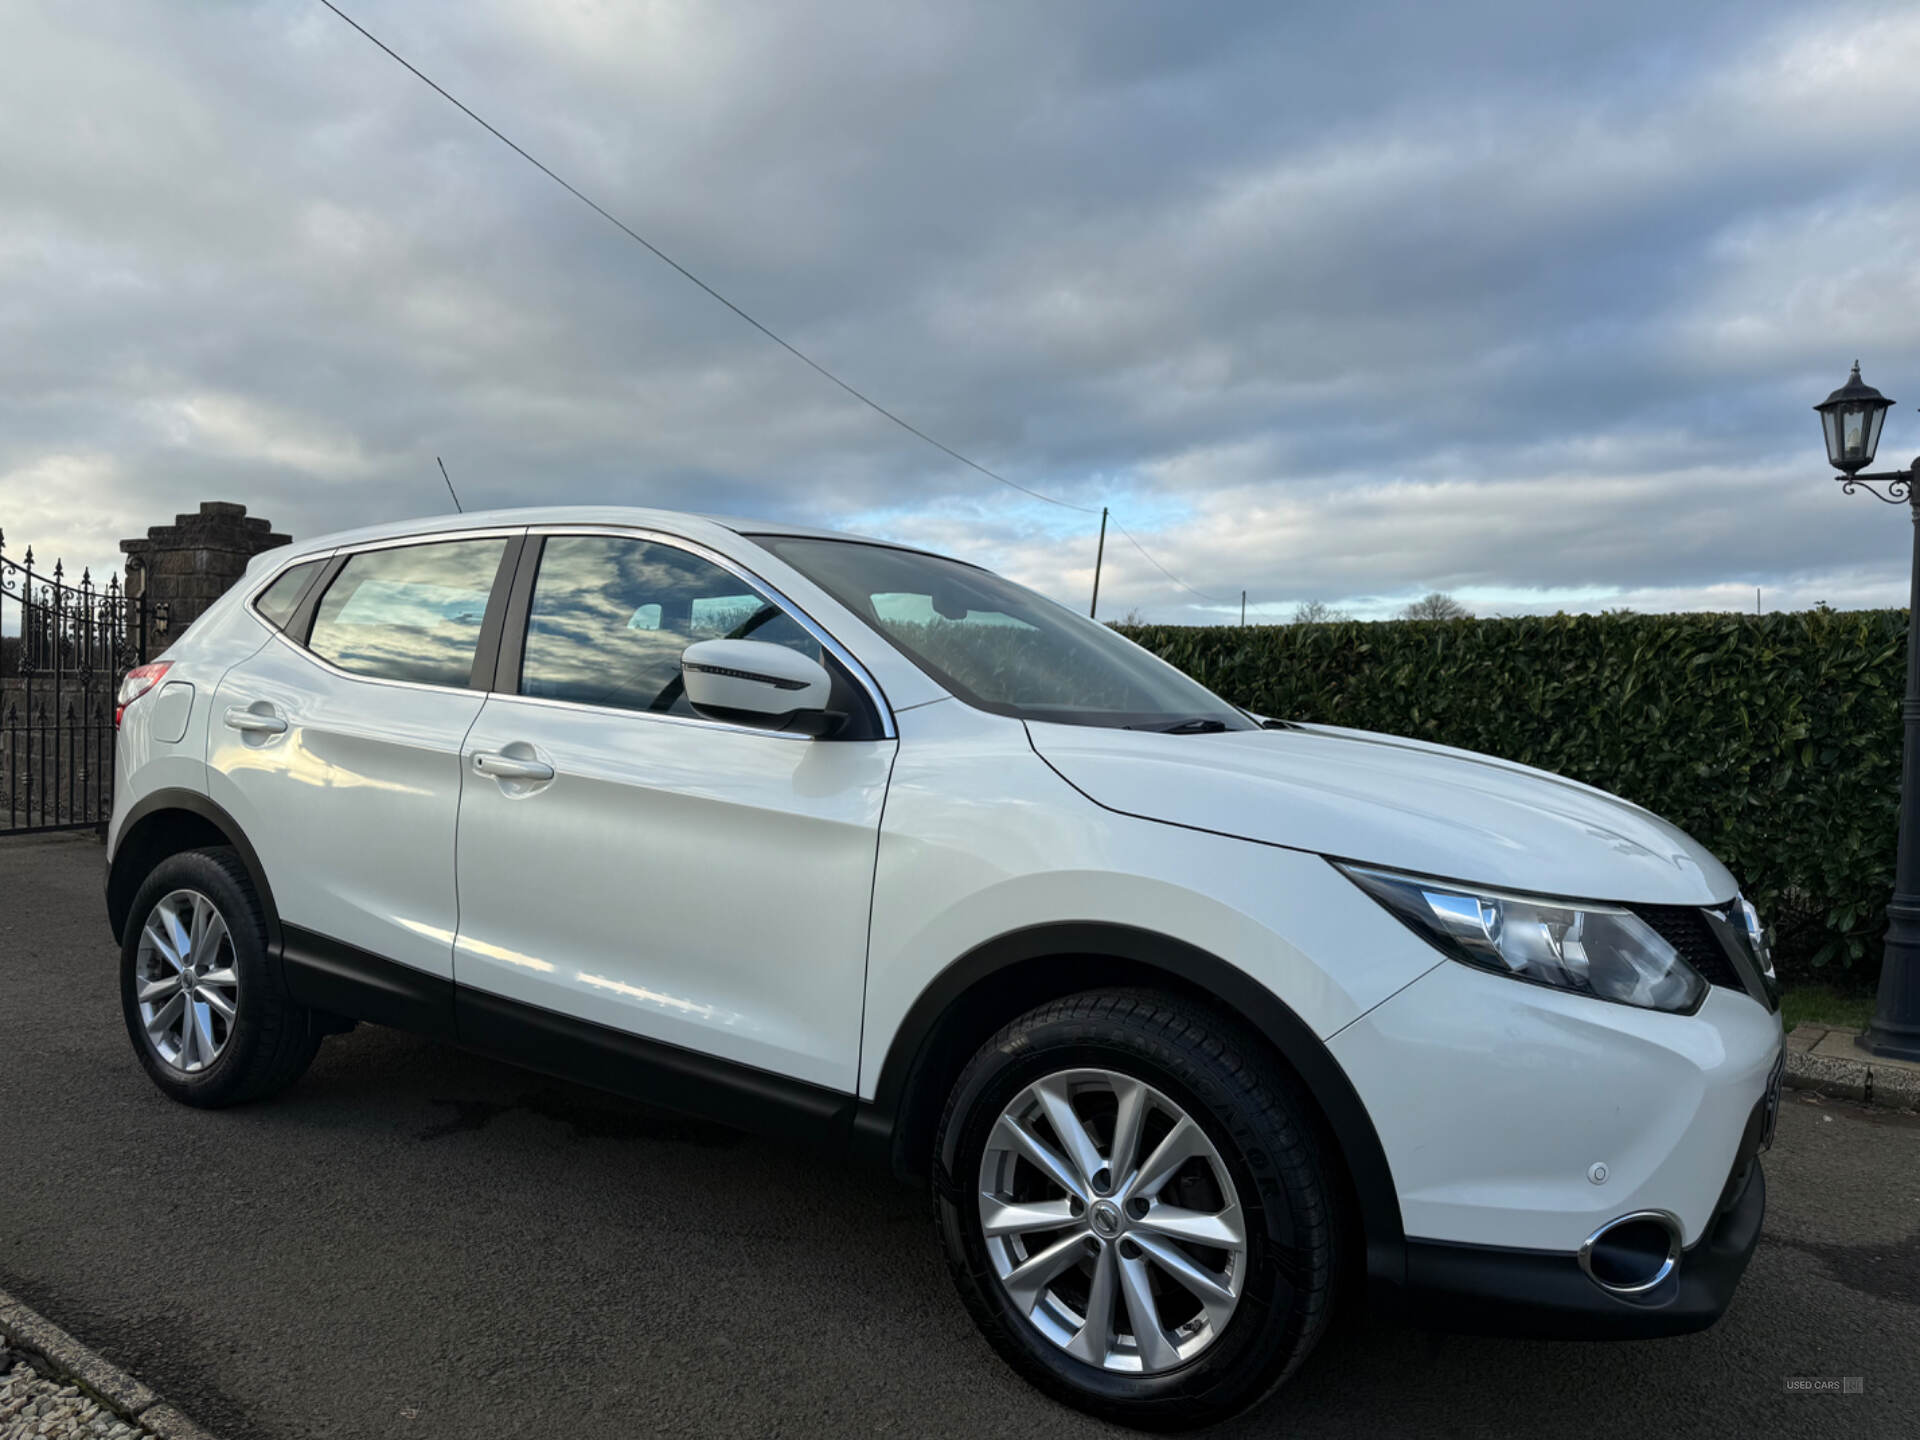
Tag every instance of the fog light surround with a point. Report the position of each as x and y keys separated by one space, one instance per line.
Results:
x=1634 y=1253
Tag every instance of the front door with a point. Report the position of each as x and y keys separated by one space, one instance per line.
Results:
x=625 y=862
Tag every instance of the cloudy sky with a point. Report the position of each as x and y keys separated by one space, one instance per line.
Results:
x=1328 y=301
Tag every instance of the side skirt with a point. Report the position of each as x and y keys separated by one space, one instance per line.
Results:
x=653 y=1073
x=330 y=975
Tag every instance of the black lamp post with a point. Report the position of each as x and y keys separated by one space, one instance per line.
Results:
x=1851 y=417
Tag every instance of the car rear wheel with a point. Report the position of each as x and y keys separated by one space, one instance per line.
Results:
x=207 y=1013
x=1135 y=1208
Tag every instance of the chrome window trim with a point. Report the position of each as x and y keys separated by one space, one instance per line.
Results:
x=327 y=665
x=604 y=711
x=861 y=675
x=430 y=537
x=252 y=605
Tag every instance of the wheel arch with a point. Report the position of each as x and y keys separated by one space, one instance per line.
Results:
x=1012 y=973
x=168 y=822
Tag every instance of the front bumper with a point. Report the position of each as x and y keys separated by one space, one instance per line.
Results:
x=1485 y=1290
x=1518 y=1117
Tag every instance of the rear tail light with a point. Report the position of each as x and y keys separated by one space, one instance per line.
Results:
x=139 y=681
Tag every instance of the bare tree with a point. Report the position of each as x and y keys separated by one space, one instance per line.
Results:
x=1132 y=620
x=1436 y=606
x=1317 y=612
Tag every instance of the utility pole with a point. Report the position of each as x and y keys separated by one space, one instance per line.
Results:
x=1243 y=608
x=1093 y=610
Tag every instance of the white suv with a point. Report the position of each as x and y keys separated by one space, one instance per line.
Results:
x=1196 y=1023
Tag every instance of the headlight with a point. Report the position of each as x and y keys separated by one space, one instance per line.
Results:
x=1598 y=950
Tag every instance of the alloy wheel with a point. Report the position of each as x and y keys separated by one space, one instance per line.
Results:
x=185 y=981
x=1112 y=1221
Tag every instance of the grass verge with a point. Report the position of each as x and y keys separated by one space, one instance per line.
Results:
x=1824 y=1005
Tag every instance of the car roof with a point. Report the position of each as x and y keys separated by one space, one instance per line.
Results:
x=680 y=522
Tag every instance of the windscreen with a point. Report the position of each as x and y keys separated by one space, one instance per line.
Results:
x=1001 y=647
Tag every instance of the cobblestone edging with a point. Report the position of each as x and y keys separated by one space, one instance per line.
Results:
x=1827 y=1060
x=53 y=1386
x=32 y=1406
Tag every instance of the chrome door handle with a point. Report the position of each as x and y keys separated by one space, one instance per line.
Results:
x=253 y=720
x=510 y=767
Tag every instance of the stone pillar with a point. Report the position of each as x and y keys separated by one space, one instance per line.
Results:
x=182 y=568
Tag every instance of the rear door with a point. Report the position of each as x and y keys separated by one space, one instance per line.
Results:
x=627 y=863
x=337 y=749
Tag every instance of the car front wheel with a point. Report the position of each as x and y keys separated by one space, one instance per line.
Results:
x=1135 y=1208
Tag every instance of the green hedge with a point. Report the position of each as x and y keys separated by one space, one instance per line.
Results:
x=1774 y=741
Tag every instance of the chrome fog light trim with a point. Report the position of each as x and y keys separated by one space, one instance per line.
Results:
x=1615 y=1274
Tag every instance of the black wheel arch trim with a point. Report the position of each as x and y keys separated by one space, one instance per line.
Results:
x=341 y=979
x=877 y=1126
x=879 y=1123
x=120 y=893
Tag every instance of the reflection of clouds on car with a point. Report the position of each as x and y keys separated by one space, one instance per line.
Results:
x=983 y=884
x=611 y=614
x=410 y=612
x=1002 y=647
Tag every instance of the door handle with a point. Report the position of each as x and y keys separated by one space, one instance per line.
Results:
x=510 y=767
x=254 y=721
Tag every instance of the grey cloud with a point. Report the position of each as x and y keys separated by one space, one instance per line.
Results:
x=1328 y=300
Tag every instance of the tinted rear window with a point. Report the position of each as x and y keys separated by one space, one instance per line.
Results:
x=276 y=603
x=412 y=612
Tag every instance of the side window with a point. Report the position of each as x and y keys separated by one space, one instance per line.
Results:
x=409 y=613
x=276 y=603
x=609 y=617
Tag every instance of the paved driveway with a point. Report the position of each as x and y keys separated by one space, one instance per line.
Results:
x=416 y=1242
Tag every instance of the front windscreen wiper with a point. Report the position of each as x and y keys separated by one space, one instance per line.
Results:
x=1198 y=725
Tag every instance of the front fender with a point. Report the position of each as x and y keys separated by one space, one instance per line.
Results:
x=989 y=863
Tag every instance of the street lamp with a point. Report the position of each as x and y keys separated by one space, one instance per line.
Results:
x=1851 y=418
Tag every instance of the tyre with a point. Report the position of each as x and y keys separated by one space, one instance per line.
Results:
x=205 y=1009
x=1135 y=1208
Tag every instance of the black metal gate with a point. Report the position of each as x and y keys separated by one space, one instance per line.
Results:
x=63 y=651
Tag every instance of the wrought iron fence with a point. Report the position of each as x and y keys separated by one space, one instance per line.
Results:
x=63 y=651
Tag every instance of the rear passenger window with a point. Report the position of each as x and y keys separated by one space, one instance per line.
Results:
x=276 y=603
x=610 y=616
x=412 y=612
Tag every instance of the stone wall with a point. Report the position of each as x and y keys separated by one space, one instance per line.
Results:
x=184 y=567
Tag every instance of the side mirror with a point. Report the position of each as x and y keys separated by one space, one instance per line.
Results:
x=752 y=682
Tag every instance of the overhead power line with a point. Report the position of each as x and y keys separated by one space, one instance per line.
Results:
x=696 y=281
x=1163 y=569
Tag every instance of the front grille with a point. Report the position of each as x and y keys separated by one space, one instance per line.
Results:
x=1685 y=928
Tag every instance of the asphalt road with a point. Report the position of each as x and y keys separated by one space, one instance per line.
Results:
x=416 y=1242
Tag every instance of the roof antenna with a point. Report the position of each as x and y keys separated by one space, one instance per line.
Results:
x=449 y=479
